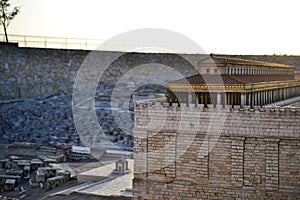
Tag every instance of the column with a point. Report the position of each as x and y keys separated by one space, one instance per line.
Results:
x=271 y=96
x=197 y=98
x=243 y=99
x=251 y=99
x=257 y=101
x=266 y=97
x=219 y=98
x=189 y=100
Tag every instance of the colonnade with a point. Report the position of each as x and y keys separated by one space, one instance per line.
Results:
x=269 y=96
x=255 y=98
x=258 y=71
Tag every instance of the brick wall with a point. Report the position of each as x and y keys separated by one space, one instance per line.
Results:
x=256 y=154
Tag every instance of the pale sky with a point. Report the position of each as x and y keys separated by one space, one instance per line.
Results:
x=218 y=26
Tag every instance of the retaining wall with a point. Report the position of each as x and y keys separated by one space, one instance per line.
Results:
x=193 y=152
x=39 y=72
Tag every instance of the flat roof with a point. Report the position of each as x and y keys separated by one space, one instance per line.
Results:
x=10 y=181
x=80 y=149
x=55 y=178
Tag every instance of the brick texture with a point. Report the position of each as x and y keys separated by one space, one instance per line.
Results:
x=256 y=154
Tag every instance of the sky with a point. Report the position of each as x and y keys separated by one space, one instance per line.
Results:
x=218 y=26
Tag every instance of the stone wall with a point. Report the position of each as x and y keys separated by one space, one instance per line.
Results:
x=180 y=154
x=38 y=72
x=33 y=72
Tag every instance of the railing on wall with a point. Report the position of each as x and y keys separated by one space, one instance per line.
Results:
x=86 y=44
x=72 y=43
x=53 y=42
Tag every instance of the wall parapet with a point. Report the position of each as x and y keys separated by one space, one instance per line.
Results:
x=211 y=108
x=261 y=122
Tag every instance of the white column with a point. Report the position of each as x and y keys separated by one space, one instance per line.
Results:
x=249 y=99
x=218 y=98
x=266 y=97
x=189 y=99
x=243 y=99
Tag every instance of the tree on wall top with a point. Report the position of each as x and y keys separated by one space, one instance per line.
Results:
x=7 y=16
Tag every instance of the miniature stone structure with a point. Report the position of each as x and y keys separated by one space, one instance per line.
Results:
x=196 y=150
x=255 y=155
x=54 y=182
x=26 y=172
x=9 y=184
x=231 y=81
x=121 y=166
x=3 y=178
x=40 y=176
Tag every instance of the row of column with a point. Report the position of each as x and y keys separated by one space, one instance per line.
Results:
x=257 y=71
x=257 y=98
x=270 y=96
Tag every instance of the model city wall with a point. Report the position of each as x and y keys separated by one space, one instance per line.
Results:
x=180 y=153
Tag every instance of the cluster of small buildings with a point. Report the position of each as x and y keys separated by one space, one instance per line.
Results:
x=49 y=121
x=37 y=166
x=38 y=171
x=47 y=139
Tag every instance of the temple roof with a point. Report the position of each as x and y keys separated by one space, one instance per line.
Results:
x=225 y=79
x=222 y=61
